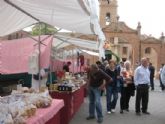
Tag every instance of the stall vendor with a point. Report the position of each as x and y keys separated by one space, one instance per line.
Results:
x=66 y=66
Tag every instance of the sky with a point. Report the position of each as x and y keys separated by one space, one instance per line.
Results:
x=150 y=13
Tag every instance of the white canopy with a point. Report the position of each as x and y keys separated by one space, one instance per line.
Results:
x=90 y=52
x=74 y=15
x=60 y=41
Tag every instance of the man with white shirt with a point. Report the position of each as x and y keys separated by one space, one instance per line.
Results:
x=142 y=82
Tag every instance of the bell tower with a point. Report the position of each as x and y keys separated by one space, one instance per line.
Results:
x=108 y=12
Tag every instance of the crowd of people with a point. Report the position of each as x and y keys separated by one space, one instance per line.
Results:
x=116 y=79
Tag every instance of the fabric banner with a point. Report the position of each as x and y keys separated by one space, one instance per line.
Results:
x=14 y=54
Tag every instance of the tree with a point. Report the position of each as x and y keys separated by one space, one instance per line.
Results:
x=45 y=29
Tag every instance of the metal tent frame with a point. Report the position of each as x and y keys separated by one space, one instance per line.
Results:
x=39 y=41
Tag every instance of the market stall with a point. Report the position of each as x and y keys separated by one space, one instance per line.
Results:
x=63 y=46
x=72 y=101
x=78 y=51
x=15 y=55
x=18 y=60
x=24 y=13
x=28 y=106
x=18 y=14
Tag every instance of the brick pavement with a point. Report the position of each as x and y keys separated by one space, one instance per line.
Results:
x=156 y=108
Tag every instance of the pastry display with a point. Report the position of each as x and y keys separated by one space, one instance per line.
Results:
x=22 y=104
x=69 y=83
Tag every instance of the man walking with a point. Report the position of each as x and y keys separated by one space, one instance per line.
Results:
x=142 y=82
x=96 y=84
x=152 y=73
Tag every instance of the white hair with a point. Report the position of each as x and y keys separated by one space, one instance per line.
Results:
x=127 y=62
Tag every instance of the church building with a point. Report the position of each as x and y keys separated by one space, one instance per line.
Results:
x=127 y=43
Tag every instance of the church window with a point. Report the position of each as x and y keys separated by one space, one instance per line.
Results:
x=125 y=50
x=107 y=18
x=112 y=40
x=148 y=50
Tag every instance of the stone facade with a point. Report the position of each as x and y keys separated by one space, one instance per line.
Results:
x=131 y=44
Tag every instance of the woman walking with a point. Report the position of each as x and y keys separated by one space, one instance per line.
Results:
x=111 y=87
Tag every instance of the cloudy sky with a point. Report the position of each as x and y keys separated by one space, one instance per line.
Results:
x=151 y=14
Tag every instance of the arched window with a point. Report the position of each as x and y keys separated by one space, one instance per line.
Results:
x=125 y=50
x=148 y=50
x=107 y=18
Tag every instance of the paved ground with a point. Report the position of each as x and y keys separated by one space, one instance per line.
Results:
x=156 y=108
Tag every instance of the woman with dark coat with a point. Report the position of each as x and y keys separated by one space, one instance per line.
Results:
x=111 y=87
x=128 y=88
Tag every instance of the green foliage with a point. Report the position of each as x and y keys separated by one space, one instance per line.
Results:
x=45 y=29
x=109 y=52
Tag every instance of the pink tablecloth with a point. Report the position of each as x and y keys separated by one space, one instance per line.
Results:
x=72 y=100
x=45 y=114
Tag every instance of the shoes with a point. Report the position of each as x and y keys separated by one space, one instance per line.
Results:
x=90 y=117
x=121 y=112
x=113 y=110
x=127 y=110
x=109 y=112
x=147 y=113
x=138 y=113
x=100 y=120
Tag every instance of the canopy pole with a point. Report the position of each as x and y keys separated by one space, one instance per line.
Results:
x=72 y=61
x=39 y=55
x=51 y=65
x=39 y=37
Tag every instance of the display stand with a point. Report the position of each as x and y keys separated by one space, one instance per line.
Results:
x=72 y=101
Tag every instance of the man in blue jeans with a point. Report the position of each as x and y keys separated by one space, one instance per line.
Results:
x=96 y=84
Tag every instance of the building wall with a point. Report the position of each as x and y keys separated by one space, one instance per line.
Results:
x=132 y=40
x=157 y=55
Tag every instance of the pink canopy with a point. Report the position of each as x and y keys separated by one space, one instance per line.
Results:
x=14 y=54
